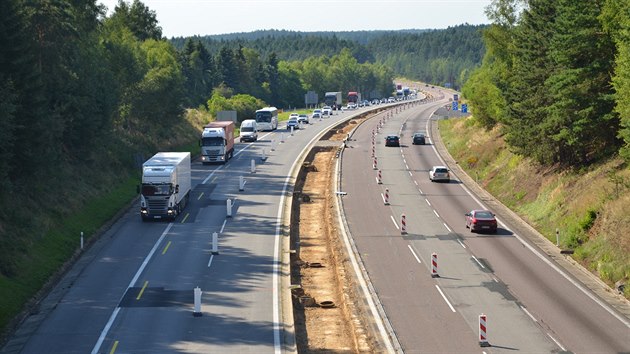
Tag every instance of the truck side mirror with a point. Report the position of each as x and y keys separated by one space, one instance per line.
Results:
x=177 y=188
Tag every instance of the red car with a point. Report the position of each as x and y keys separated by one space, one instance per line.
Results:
x=481 y=220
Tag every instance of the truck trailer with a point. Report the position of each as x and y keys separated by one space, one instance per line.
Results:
x=333 y=99
x=166 y=183
x=217 y=142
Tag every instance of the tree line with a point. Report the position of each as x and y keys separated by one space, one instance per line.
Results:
x=555 y=78
x=435 y=56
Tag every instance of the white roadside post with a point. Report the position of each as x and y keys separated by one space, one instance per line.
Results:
x=229 y=208
x=197 y=295
x=253 y=166
x=215 y=243
x=241 y=183
x=81 y=239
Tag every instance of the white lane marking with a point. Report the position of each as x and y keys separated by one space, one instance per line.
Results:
x=410 y=174
x=575 y=283
x=478 y=262
x=210 y=262
x=414 y=254
x=436 y=213
x=445 y=299
x=416 y=182
x=223 y=227
x=394 y=221
x=376 y=178
x=461 y=243
x=383 y=197
x=428 y=202
x=528 y=314
x=446 y=226
x=558 y=343
x=586 y=292
x=112 y=318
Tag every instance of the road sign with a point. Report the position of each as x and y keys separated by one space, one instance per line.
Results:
x=455 y=97
x=464 y=108
x=455 y=105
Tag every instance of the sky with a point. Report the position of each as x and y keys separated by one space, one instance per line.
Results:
x=206 y=17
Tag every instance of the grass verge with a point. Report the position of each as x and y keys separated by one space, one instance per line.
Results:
x=587 y=206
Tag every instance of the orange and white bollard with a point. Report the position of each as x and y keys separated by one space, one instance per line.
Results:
x=379 y=177
x=483 y=337
x=386 y=198
x=434 y=266
x=403 y=224
x=374 y=165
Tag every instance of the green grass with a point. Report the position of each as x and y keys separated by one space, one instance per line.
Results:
x=58 y=245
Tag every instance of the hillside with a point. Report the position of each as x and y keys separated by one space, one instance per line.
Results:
x=588 y=206
x=435 y=56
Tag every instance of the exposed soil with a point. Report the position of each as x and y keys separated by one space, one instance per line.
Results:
x=327 y=318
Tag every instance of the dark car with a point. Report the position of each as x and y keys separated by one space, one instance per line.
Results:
x=481 y=220
x=419 y=138
x=392 y=140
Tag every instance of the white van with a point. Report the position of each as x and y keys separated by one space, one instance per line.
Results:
x=248 y=130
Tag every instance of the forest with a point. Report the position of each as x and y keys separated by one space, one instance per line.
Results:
x=555 y=78
x=442 y=57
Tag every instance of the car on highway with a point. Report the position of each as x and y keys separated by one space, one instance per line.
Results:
x=293 y=122
x=326 y=111
x=316 y=116
x=293 y=115
x=303 y=118
x=481 y=220
x=439 y=173
x=392 y=140
x=419 y=138
x=352 y=105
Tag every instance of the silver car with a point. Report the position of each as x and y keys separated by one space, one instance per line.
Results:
x=439 y=173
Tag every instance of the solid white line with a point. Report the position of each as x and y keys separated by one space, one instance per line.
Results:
x=112 y=318
x=223 y=227
x=478 y=262
x=436 y=214
x=444 y=297
x=414 y=254
x=528 y=314
x=394 y=221
x=448 y=228
x=210 y=262
x=558 y=343
x=461 y=243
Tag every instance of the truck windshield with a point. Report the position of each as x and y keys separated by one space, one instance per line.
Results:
x=216 y=141
x=156 y=189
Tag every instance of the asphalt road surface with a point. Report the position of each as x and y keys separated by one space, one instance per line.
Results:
x=133 y=291
x=531 y=305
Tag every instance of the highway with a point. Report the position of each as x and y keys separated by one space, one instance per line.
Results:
x=532 y=305
x=132 y=292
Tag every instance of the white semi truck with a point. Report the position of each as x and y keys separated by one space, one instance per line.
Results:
x=166 y=183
